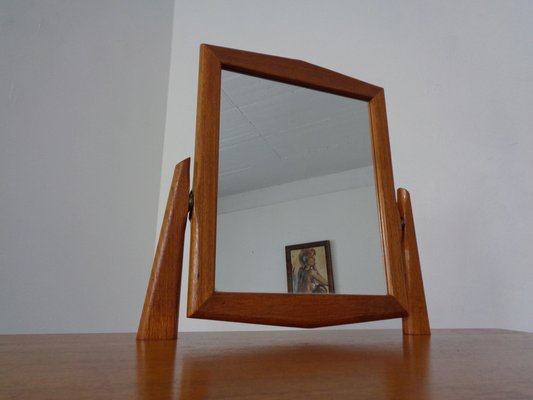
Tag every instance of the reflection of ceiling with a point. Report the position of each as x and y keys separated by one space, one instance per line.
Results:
x=273 y=133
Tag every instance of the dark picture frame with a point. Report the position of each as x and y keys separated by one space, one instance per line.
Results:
x=309 y=268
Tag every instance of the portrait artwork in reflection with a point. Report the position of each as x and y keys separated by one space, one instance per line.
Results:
x=309 y=268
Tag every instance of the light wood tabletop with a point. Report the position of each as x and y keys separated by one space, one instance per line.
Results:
x=317 y=364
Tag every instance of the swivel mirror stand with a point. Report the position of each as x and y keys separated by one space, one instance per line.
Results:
x=159 y=319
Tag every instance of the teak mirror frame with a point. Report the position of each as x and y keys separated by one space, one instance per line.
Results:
x=405 y=294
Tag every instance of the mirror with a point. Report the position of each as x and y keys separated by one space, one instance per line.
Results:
x=295 y=168
x=274 y=123
x=288 y=156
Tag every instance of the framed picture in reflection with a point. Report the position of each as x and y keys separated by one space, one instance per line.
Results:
x=309 y=268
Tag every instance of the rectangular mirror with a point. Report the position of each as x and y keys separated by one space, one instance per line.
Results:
x=293 y=196
x=295 y=167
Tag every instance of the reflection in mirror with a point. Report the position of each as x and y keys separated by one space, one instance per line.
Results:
x=295 y=167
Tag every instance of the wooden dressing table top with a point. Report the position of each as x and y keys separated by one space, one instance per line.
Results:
x=344 y=364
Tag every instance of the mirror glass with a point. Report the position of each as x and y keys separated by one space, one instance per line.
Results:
x=297 y=208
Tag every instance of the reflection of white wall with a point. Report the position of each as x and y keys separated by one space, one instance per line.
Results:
x=251 y=242
x=297 y=190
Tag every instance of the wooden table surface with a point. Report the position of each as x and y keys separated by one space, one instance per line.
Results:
x=343 y=364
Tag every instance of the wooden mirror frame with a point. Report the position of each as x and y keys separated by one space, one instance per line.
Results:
x=405 y=296
x=301 y=310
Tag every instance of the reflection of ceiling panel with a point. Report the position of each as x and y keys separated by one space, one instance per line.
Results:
x=273 y=133
x=236 y=128
x=247 y=153
x=318 y=136
x=245 y=90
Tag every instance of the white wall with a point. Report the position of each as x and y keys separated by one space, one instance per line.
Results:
x=459 y=85
x=82 y=98
x=83 y=87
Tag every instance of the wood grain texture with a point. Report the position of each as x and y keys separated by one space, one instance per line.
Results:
x=389 y=217
x=159 y=318
x=417 y=322
x=299 y=310
x=347 y=364
x=203 y=301
x=205 y=185
x=295 y=72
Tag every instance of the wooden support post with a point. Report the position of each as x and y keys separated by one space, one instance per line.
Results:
x=417 y=322
x=159 y=319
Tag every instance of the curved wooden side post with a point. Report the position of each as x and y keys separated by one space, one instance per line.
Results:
x=159 y=319
x=417 y=322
